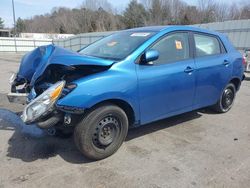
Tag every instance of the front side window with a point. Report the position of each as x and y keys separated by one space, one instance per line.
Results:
x=117 y=46
x=174 y=47
x=206 y=45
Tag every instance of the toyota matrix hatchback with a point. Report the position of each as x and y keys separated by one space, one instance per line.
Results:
x=124 y=80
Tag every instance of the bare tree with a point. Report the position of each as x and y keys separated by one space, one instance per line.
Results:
x=98 y=15
x=96 y=4
x=245 y=12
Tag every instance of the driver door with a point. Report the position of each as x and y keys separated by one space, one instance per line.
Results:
x=167 y=85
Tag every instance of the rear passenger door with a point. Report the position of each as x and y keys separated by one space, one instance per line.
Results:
x=213 y=68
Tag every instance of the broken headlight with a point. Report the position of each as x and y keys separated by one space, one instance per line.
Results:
x=43 y=104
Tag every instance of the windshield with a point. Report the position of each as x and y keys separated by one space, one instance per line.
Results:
x=116 y=46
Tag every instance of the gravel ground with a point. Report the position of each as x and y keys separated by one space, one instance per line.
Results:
x=196 y=149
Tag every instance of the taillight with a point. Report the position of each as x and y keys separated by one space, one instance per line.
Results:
x=244 y=62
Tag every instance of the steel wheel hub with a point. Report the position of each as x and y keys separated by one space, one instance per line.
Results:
x=106 y=131
x=227 y=98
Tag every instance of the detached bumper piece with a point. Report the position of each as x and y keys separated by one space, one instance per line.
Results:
x=50 y=120
x=20 y=98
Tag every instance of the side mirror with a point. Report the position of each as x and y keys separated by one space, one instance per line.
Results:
x=150 y=56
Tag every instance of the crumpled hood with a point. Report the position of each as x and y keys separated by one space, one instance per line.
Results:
x=35 y=62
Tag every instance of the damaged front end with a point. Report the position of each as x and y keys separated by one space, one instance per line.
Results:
x=46 y=75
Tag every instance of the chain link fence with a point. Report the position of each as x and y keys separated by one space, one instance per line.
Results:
x=17 y=45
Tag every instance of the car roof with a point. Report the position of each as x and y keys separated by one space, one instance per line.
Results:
x=148 y=28
x=170 y=27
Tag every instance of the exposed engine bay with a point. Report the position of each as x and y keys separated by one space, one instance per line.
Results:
x=55 y=73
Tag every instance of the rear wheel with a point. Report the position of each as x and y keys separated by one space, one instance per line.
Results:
x=226 y=100
x=101 y=132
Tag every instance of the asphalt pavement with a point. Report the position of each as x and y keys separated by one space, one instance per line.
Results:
x=195 y=149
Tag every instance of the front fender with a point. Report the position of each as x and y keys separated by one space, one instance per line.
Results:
x=108 y=85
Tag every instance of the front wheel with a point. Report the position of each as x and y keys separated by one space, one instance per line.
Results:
x=226 y=100
x=101 y=132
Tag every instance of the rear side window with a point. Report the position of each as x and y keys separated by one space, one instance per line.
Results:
x=206 y=45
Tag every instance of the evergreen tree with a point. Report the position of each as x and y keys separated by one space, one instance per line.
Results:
x=135 y=15
x=20 y=25
x=1 y=23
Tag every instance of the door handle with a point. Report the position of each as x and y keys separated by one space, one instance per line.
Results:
x=188 y=69
x=226 y=62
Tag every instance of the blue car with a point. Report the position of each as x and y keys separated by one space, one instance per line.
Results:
x=128 y=79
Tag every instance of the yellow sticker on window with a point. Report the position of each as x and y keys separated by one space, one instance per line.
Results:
x=178 y=45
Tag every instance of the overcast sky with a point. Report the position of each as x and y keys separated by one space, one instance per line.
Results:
x=29 y=8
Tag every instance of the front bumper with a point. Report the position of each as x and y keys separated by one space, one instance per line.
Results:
x=19 y=98
x=50 y=120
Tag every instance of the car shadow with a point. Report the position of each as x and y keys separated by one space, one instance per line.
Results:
x=207 y=110
x=30 y=143
x=161 y=124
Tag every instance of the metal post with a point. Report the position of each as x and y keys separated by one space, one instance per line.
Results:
x=90 y=39
x=15 y=44
x=14 y=19
x=80 y=43
x=70 y=44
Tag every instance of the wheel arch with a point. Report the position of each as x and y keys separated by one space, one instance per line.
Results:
x=236 y=82
x=124 y=105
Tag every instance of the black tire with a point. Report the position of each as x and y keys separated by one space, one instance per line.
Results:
x=101 y=132
x=226 y=100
